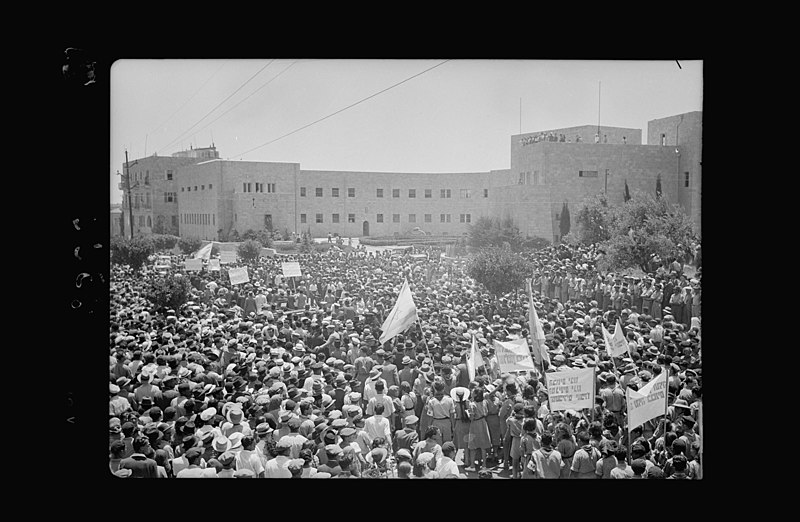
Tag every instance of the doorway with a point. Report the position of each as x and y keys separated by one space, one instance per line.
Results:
x=365 y=229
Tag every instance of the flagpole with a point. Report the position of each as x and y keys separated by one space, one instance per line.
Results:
x=594 y=387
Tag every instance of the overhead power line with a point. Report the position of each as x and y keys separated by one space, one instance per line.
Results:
x=340 y=110
x=186 y=133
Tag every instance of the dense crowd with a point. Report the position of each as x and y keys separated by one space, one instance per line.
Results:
x=280 y=378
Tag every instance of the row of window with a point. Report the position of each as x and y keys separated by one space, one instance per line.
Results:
x=202 y=187
x=198 y=219
x=412 y=218
x=248 y=187
x=412 y=193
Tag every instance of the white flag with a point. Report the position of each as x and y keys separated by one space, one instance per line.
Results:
x=403 y=315
x=648 y=402
x=204 y=253
x=474 y=359
x=538 y=347
x=616 y=345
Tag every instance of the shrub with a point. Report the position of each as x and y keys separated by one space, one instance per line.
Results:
x=189 y=245
x=132 y=252
x=499 y=270
x=164 y=241
x=249 y=250
x=169 y=292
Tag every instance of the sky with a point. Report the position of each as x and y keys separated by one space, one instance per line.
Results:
x=380 y=115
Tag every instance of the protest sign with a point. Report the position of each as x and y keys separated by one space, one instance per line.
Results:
x=514 y=356
x=648 y=402
x=238 y=275
x=227 y=257
x=193 y=265
x=213 y=264
x=570 y=389
x=291 y=269
x=267 y=252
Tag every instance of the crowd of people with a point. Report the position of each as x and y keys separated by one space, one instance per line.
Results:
x=280 y=378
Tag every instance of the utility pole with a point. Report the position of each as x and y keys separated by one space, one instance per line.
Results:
x=130 y=196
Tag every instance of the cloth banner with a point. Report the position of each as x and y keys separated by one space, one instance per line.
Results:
x=227 y=257
x=193 y=265
x=474 y=359
x=205 y=252
x=514 y=356
x=616 y=345
x=238 y=275
x=403 y=315
x=213 y=264
x=648 y=402
x=570 y=389
x=538 y=347
x=291 y=269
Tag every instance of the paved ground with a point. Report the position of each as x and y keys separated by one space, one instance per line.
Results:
x=497 y=471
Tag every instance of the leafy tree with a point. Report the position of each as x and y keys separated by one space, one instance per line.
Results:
x=132 y=252
x=494 y=232
x=249 y=250
x=306 y=244
x=565 y=223
x=169 y=292
x=189 y=245
x=263 y=236
x=595 y=220
x=535 y=243
x=164 y=241
x=499 y=270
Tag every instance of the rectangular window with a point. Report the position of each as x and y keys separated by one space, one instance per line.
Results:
x=466 y=193
x=351 y=192
x=587 y=173
x=528 y=178
x=335 y=218
x=271 y=188
x=210 y=186
x=428 y=193
x=302 y=192
x=302 y=218
x=202 y=187
x=486 y=193
x=428 y=218
x=319 y=218
x=685 y=179
x=379 y=218
x=181 y=189
x=213 y=218
x=395 y=218
x=395 y=193
x=318 y=192
x=244 y=187
x=259 y=187
x=169 y=175
x=334 y=192
x=412 y=193
x=351 y=218
x=195 y=188
x=412 y=218
x=466 y=218
x=249 y=187
x=379 y=193
x=445 y=193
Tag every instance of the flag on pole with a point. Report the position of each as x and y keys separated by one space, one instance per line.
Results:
x=647 y=403
x=538 y=347
x=616 y=345
x=474 y=359
x=204 y=253
x=403 y=315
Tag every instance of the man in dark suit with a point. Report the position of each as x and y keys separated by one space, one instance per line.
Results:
x=408 y=437
x=138 y=463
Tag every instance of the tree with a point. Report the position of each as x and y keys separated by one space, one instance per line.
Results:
x=132 y=252
x=595 y=220
x=189 y=245
x=565 y=224
x=164 y=241
x=249 y=250
x=499 y=270
x=263 y=236
x=627 y=192
x=169 y=292
x=306 y=245
x=493 y=232
x=645 y=227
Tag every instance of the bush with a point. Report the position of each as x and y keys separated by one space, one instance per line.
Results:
x=131 y=252
x=169 y=292
x=489 y=232
x=499 y=270
x=164 y=241
x=534 y=243
x=189 y=245
x=249 y=250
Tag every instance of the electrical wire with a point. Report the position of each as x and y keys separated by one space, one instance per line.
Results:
x=339 y=111
x=186 y=133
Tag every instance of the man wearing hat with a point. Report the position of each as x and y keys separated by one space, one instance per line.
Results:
x=194 y=470
x=277 y=467
x=294 y=438
x=138 y=463
x=409 y=372
x=332 y=452
x=388 y=369
x=408 y=436
x=614 y=398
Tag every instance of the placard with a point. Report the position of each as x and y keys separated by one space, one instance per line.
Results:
x=267 y=252
x=291 y=269
x=213 y=265
x=570 y=389
x=514 y=356
x=193 y=265
x=238 y=275
x=647 y=403
x=227 y=257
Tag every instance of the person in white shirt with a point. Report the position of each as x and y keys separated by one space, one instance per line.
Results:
x=380 y=398
x=249 y=458
x=369 y=384
x=446 y=465
x=278 y=467
x=378 y=426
